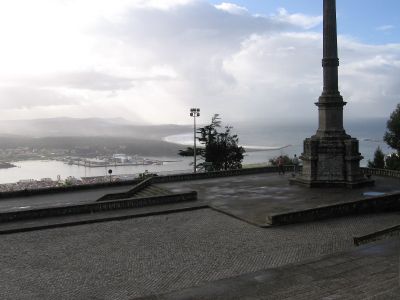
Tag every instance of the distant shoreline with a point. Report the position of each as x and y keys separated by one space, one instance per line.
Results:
x=6 y=165
x=186 y=139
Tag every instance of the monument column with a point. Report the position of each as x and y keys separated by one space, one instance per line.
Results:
x=330 y=104
x=331 y=157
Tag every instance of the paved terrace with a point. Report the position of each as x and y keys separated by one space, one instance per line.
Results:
x=167 y=253
x=369 y=272
x=255 y=197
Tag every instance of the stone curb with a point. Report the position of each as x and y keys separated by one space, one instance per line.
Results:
x=378 y=235
x=371 y=205
x=95 y=207
x=100 y=220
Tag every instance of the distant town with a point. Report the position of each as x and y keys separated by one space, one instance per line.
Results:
x=46 y=183
x=84 y=157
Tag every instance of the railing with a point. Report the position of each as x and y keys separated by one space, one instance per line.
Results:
x=380 y=172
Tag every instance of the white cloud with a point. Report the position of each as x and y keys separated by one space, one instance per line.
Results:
x=153 y=60
x=232 y=8
x=22 y=97
x=304 y=21
x=385 y=28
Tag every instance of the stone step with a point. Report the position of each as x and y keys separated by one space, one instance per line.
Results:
x=152 y=191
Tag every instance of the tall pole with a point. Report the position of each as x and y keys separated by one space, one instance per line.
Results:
x=194 y=112
x=330 y=103
x=194 y=148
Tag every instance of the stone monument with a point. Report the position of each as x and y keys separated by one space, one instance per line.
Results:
x=331 y=158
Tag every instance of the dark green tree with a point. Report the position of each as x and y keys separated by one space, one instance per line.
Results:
x=221 y=149
x=392 y=138
x=393 y=162
x=392 y=135
x=379 y=160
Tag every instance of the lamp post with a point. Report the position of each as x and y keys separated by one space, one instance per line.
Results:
x=194 y=112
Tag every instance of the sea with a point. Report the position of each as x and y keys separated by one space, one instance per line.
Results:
x=262 y=143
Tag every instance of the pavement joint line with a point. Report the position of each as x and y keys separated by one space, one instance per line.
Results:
x=378 y=235
x=102 y=220
x=217 y=209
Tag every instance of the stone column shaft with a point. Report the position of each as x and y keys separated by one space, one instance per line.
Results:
x=330 y=61
x=330 y=104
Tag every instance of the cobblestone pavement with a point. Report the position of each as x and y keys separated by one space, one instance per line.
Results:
x=272 y=194
x=160 y=254
x=368 y=272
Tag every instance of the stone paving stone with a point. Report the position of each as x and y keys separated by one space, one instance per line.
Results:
x=383 y=283
x=159 y=254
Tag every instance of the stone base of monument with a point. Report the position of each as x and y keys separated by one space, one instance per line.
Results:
x=331 y=159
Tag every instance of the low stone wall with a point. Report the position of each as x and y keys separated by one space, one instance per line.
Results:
x=137 y=188
x=376 y=236
x=379 y=204
x=216 y=174
x=381 y=172
x=95 y=207
x=66 y=189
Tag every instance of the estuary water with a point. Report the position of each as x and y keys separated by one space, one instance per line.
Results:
x=38 y=169
x=270 y=141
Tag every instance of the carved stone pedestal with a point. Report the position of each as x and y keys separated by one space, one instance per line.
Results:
x=331 y=162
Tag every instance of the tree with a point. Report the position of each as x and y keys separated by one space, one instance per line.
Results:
x=393 y=162
x=392 y=136
x=221 y=150
x=379 y=160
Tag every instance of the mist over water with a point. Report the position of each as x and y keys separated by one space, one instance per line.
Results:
x=290 y=136
x=275 y=139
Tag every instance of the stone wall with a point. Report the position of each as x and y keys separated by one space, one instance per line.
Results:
x=386 y=203
x=95 y=207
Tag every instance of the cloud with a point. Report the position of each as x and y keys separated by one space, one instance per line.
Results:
x=301 y=20
x=232 y=8
x=153 y=60
x=22 y=97
x=385 y=28
x=282 y=72
x=87 y=80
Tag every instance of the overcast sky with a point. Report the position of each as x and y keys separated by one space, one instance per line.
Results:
x=151 y=60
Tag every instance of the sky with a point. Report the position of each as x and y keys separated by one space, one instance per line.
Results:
x=152 y=60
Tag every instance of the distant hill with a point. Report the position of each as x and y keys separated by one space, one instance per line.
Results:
x=90 y=127
x=102 y=145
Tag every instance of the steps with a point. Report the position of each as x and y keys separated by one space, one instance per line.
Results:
x=152 y=191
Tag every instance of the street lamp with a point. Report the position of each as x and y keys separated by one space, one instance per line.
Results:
x=194 y=112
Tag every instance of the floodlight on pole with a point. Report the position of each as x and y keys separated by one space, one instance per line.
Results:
x=194 y=113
